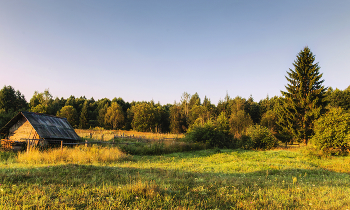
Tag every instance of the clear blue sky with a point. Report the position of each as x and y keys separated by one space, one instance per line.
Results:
x=144 y=50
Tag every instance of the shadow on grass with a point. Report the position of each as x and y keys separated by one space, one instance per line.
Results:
x=74 y=175
x=105 y=187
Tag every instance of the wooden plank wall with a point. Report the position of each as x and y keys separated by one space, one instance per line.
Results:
x=22 y=130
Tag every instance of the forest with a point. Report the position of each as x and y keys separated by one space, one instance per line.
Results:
x=290 y=117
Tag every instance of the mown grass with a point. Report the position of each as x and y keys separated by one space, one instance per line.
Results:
x=206 y=179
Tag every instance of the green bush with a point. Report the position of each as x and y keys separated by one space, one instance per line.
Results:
x=211 y=134
x=332 y=131
x=260 y=137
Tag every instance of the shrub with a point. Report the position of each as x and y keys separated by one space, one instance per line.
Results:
x=209 y=133
x=332 y=131
x=260 y=137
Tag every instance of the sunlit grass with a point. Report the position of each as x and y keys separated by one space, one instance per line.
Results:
x=206 y=179
x=78 y=155
x=110 y=134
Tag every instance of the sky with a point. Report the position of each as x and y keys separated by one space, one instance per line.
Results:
x=156 y=50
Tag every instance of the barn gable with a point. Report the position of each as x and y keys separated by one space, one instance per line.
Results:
x=27 y=125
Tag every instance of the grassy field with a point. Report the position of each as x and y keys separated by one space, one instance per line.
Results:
x=208 y=179
x=105 y=135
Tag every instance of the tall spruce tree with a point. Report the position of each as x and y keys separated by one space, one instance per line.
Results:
x=305 y=96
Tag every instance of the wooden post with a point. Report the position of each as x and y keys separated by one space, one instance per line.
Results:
x=61 y=146
x=86 y=144
x=27 y=146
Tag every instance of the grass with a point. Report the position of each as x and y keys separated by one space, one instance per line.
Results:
x=106 y=135
x=206 y=179
x=80 y=155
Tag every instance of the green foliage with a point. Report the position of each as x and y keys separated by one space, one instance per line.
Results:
x=100 y=111
x=146 y=117
x=164 y=121
x=5 y=117
x=214 y=134
x=253 y=109
x=222 y=123
x=114 y=116
x=70 y=113
x=41 y=102
x=239 y=122
x=177 y=119
x=261 y=137
x=339 y=98
x=84 y=116
x=332 y=131
x=304 y=97
x=11 y=100
x=269 y=119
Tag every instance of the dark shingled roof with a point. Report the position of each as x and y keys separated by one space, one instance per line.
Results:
x=47 y=126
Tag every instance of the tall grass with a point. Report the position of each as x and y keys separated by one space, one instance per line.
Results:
x=81 y=154
x=100 y=134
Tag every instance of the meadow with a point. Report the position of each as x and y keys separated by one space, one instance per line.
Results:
x=83 y=178
x=106 y=135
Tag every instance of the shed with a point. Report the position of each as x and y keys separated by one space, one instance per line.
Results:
x=37 y=129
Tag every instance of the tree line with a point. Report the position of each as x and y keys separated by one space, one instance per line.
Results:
x=290 y=117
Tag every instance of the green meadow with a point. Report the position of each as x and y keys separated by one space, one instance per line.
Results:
x=204 y=179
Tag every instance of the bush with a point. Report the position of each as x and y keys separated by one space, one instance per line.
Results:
x=260 y=137
x=332 y=131
x=209 y=133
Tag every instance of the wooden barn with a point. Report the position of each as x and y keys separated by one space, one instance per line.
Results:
x=36 y=129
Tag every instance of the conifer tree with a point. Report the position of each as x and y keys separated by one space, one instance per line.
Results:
x=305 y=96
x=83 y=121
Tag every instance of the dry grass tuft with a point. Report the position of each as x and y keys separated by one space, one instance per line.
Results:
x=81 y=154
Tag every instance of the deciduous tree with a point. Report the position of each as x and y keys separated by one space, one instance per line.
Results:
x=114 y=116
x=70 y=113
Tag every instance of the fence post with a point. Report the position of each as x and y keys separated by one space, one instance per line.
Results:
x=61 y=146
x=86 y=144
x=27 y=146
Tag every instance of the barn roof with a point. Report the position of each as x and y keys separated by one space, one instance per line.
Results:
x=47 y=126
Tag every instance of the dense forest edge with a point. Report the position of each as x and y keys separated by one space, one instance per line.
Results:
x=305 y=112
